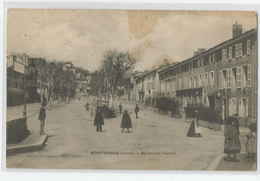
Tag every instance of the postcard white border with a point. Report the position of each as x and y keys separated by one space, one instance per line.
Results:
x=39 y=174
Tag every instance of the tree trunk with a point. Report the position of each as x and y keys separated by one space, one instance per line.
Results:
x=41 y=90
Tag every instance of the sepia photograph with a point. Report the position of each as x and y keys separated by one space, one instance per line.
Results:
x=107 y=89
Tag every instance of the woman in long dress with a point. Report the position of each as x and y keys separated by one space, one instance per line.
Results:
x=232 y=142
x=194 y=129
x=126 y=122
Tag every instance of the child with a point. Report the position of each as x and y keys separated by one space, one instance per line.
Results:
x=91 y=112
x=251 y=143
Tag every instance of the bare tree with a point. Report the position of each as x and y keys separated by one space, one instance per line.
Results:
x=115 y=65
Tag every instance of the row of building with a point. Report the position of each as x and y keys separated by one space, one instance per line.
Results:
x=21 y=71
x=223 y=78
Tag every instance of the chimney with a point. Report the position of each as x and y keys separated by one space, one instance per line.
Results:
x=200 y=50
x=195 y=53
x=153 y=67
x=237 y=30
x=165 y=62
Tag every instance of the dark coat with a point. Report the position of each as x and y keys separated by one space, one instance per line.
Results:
x=191 y=131
x=231 y=133
x=99 y=120
x=136 y=109
x=42 y=114
x=237 y=125
x=126 y=121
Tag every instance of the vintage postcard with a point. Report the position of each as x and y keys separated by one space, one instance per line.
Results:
x=131 y=89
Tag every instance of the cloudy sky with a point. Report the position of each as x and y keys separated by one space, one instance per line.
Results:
x=82 y=36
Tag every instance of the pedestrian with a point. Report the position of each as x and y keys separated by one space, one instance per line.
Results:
x=91 y=112
x=236 y=122
x=194 y=129
x=126 y=122
x=232 y=142
x=42 y=116
x=251 y=143
x=87 y=106
x=120 y=107
x=99 y=121
x=136 y=111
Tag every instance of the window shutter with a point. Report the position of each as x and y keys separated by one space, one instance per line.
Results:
x=240 y=108
x=249 y=76
x=220 y=79
x=246 y=102
x=230 y=53
x=248 y=47
x=240 y=50
x=236 y=50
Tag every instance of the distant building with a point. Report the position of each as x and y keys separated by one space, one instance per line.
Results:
x=17 y=69
x=83 y=82
x=146 y=84
x=69 y=66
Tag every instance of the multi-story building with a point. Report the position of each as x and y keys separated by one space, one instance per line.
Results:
x=147 y=84
x=17 y=69
x=83 y=82
x=223 y=77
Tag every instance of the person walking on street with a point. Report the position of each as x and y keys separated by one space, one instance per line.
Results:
x=99 y=121
x=87 y=106
x=194 y=129
x=120 y=107
x=136 y=111
x=126 y=122
x=42 y=116
x=91 y=112
x=232 y=142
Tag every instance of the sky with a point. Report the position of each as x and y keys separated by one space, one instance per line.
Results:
x=83 y=36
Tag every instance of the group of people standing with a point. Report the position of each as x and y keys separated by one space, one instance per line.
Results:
x=232 y=142
x=125 y=123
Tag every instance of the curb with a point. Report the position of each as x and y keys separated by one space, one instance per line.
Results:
x=28 y=148
x=214 y=165
x=57 y=105
x=49 y=108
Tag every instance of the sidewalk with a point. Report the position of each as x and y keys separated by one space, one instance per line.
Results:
x=218 y=163
x=34 y=141
x=14 y=112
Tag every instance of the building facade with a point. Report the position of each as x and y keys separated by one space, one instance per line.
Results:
x=17 y=69
x=223 y=78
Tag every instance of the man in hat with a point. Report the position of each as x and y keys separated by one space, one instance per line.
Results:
x=99 y=121
x=42 y=116
x=120 y=107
